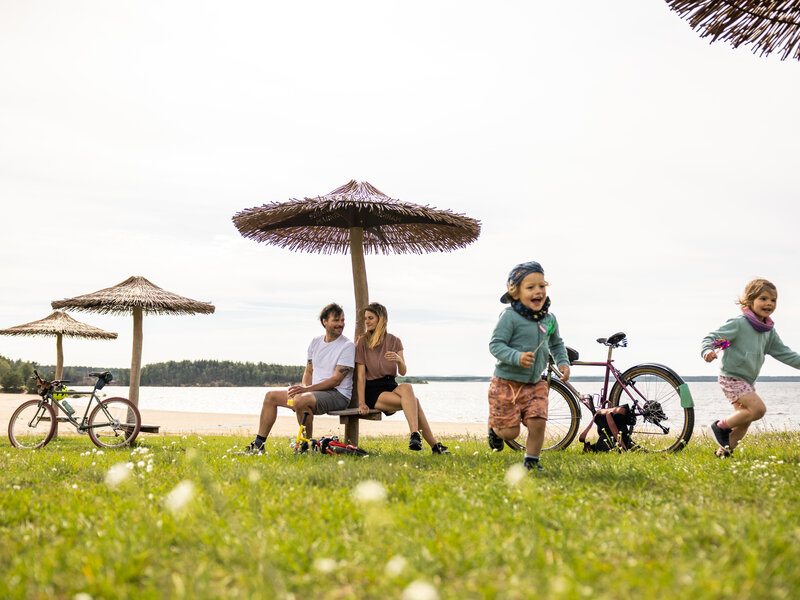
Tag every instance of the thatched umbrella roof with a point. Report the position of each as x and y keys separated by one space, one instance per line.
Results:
x=59 y=323
x=767 y=25
x=138 y=296
x=357 y=218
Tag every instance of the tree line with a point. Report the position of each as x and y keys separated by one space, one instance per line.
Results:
x=17 y=375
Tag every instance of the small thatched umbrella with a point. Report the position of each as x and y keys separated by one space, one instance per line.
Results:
x=58 y=325
x=768 y=25
x=357 y=218
x=138 y=296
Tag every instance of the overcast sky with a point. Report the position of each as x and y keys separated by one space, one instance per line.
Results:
x=651 y=173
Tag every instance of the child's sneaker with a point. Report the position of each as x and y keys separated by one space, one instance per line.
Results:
x=438 y=448
x=495 y=441
x=721 y=435
x=723 y=453
x=532 y=464
x=415 y=442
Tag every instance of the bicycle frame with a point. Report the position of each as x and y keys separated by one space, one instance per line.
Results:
x=588 y=400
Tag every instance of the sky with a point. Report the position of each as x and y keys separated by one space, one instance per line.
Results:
x=652 y=174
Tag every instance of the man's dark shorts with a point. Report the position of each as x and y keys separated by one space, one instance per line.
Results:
x=328 y=400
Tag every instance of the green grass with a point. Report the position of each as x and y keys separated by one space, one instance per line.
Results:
x=641 y=526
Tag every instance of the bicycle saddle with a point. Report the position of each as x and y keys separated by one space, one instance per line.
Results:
x=103 y=374
x=616 y=340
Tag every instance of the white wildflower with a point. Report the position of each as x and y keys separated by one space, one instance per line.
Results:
x=180 y=496
x=515 y=474
x=82 y=596
x=74 y=486
x=341 y=462
x=140 y=463
x=420 y=590
x=117 y=474
x=324 y=565
x=369 y=491
x=253 y=476
x=395 y=566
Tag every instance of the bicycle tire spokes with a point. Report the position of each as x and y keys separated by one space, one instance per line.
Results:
x=663 y=424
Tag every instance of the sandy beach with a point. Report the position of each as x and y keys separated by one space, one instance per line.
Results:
x=181 y=423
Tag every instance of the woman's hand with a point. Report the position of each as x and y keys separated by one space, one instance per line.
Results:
x=393 y=357
x=362 y=408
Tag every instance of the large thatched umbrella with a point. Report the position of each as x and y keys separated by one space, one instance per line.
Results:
x=767 y=25
x=138 y=296
x=357 y=218
x=59 y=325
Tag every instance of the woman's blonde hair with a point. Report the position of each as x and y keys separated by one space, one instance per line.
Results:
x=753 y=290
x=375 y=337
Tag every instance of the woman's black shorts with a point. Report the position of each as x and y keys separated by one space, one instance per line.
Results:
x=375 y=387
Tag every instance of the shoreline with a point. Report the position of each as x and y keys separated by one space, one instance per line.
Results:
x=203 y=423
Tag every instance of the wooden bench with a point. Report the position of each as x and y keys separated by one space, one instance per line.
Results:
x=350 y=418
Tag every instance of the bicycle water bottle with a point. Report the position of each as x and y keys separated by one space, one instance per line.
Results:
x=67 y=408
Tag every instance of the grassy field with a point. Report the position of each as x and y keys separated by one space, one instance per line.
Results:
x=188 y=518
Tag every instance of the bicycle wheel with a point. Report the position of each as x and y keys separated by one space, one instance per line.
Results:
x=32 y=425
x=114 y=423
x=563 y=418
x=663 y=424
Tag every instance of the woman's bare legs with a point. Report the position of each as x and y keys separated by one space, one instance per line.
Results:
x=412 y=409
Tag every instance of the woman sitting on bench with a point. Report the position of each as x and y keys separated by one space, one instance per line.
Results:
x=379 y=357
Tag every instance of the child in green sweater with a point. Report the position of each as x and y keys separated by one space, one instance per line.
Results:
x=745 y=340
x=522 y=339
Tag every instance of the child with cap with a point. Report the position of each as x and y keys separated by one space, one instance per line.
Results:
x=525 y=334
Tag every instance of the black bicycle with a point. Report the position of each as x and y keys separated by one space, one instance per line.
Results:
x=112 y=423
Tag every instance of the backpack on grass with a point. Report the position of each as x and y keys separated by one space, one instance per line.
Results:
x=332 y=445
x=614 y=429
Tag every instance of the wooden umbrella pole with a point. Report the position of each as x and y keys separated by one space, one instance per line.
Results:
x=59 y=370
x=359 y=276
x=136 y=356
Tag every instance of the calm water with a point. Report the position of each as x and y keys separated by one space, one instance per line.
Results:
x=463 y=402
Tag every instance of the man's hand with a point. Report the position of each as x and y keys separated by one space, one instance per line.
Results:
x=294 y=390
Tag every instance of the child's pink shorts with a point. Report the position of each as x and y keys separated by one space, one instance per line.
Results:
x=734 y=388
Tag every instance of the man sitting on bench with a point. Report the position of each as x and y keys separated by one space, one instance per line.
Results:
x=327 y=381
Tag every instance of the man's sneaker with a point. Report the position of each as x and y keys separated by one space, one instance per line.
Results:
x=415 y=442
x=722 y=436
x=253 y=448
x=495 y=441
x=438 y=448
x=532 y=464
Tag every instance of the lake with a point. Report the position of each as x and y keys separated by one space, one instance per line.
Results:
x=463 y=402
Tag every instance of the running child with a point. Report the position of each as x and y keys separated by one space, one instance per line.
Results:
x=744 y=341
x=524 y=335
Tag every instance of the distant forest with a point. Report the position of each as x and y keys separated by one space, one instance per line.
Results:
x=207 y=373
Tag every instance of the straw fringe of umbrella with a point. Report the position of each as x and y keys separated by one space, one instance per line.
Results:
x=322 y=224
x=767 y=25
x=135 y=292
x=59 y=323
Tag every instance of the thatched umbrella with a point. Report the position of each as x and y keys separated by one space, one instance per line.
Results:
x=357 y=218
x=138 y=296
x=768 y=25
x=58 y=325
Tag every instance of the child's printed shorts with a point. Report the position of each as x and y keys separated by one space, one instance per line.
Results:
x=514 y=402
x=734 y=388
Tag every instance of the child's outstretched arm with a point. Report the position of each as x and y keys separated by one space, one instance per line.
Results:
x=726 y=332
x=780 y=351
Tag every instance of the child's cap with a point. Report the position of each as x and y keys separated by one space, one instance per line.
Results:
x=519 y=273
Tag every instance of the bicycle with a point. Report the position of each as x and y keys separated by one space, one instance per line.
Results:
x=659 y=398
x=113 y=423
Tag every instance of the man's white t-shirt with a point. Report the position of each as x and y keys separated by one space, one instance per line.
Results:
x=326 y=356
